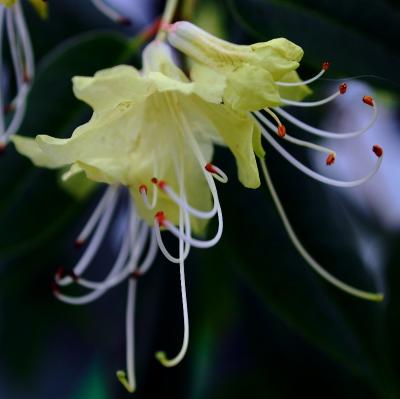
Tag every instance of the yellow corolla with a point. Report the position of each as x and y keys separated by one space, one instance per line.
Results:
x=248 y=73
x=152 y=124
x=40 y=6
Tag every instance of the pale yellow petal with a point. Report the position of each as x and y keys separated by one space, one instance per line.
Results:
x=110 y=87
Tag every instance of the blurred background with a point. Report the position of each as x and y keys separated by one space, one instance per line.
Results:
x=263 y=324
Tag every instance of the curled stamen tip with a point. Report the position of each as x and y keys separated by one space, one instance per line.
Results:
x=154 y=180
x=162 y=358
x=326 y=65
x=210 y=168
x=368 y=100
x=330 y=159
x=121 y=375
x=162 y=184
x=378 y=150
x=143 y=189
x=124 y=21
x=160 y=217
x=79 y=243
x=281 y=131
x=343 y=88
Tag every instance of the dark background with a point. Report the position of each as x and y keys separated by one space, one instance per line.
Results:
x=262 y=323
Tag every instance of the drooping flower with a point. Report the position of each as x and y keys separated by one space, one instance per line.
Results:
x=152 y=131
x=259 y=79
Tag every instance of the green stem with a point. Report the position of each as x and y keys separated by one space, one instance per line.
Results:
x=168 y=14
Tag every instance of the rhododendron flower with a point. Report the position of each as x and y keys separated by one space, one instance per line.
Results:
x=152 y=131
x=259 y=79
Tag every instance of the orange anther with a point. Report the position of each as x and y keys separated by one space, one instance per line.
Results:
x=210 y=168
x=330 y=159
x=343 y=88
x=326 y=65
x=281 y=130
x=162 y=184
x=368 y=100
x=378 y=150
x=160 y=217
x=143 y=189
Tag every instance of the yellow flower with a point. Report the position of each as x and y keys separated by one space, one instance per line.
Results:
x=249 y=73
x=152 y=124
x=258 y=79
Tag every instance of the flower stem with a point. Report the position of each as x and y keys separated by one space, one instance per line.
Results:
x=168 y=14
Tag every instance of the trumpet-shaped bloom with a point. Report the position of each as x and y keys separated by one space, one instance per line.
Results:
x=151 y=124
x=259 y=79
x=152 y=131
x=249 y=73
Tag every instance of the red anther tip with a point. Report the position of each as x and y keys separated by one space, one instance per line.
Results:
x=55 y=289
x=343 y=88
x=210 y=168
x=154 y=180
x=124 y=21
x=281 y=130
x=378 y=150
x=330 y=159
x=326 y=65
x=78 y=243
x=160 y=217
x=161 y=184
x=136 y=274
x=143 y=189
x=368 y=100
x=60 y=273
x=2 y=148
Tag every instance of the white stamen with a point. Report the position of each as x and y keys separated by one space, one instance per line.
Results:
x=294 y=140
x=94 y=218
x=303 y=82
x=315 y=175
x=25 y=40
x=327 y=134
x=130 y=383
x=95 y=242
x=183 y=204
x=306 y=256
x=161 y=356
x=14 y=49
x=219 y=174
x=311 y=103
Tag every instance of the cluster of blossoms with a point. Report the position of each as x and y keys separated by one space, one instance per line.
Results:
x=153 y=132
